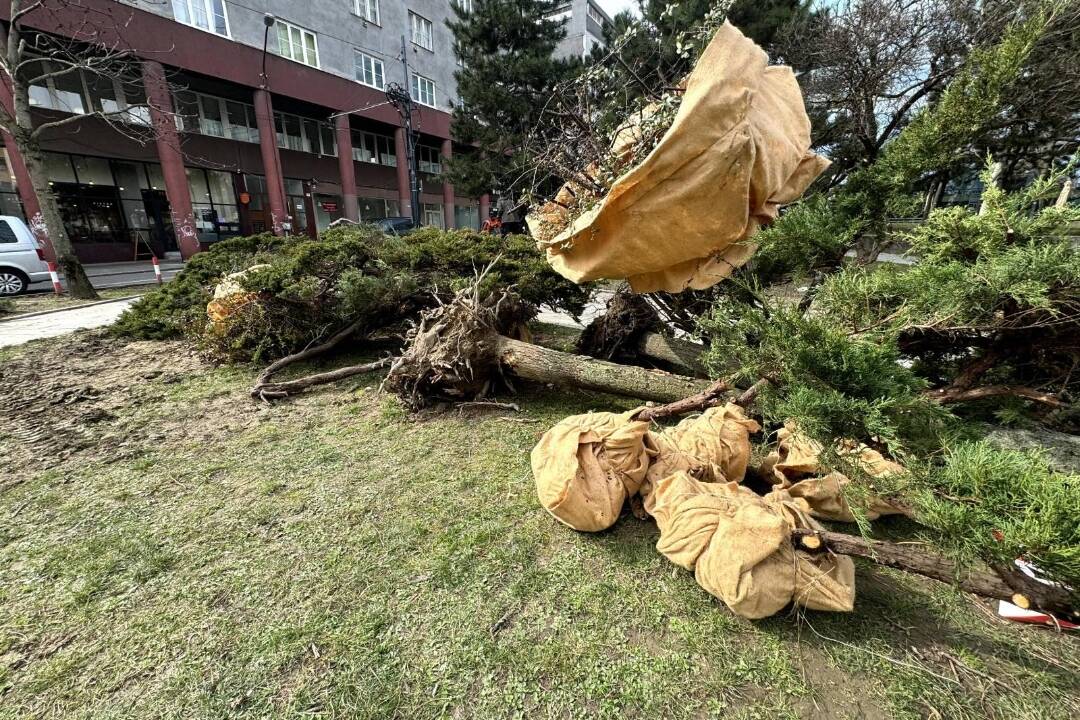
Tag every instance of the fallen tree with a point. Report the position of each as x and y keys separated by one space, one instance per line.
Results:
x=631 y=331
x=460 y=350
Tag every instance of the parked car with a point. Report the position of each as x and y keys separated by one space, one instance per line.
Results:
x=21 y=260
x=396 y=225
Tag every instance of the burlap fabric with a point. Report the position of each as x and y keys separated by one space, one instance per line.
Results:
x=684 y=216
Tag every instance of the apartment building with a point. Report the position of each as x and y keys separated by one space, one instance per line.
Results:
x=585 y=21
x=279 y=121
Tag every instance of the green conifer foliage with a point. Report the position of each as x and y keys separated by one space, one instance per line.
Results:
x=507 y=70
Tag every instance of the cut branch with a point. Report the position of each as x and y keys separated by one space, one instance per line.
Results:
x=1004 y=584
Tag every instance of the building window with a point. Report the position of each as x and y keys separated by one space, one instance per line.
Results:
x=428 y=159
x=367 y=9
x=297 y=44
x=421 y=31
x=58 y=92
x=369 y=70
x=595 y=15
x=372 y=148
x=465 y=6
x=423 y=90
x=304 y=134
x=433 y=215
x=206 y=14
x=209 y=115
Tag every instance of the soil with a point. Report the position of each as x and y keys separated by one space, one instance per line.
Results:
x=85 y=398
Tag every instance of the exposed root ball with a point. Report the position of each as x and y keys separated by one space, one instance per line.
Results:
x=452 y=353
x=618 y=332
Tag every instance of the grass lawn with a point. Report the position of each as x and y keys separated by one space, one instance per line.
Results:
x=171 y=549
x=38 y=302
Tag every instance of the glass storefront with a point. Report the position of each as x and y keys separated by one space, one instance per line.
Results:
x=378 y=208
x=118 y=210
x=467 y=217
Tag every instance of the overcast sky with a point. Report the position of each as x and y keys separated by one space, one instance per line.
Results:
x=613 y=7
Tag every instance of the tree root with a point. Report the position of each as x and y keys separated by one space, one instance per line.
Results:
x=276 y=391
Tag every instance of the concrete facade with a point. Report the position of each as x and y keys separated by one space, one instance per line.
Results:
x=585 y=21
x=341 y=31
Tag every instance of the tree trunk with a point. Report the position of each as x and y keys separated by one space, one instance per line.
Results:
x=539 y=364
x=1002 y=585
x=78 y=284
x=676 y=352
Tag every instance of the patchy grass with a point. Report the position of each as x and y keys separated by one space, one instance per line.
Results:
x=331 y=556
x=39 y=302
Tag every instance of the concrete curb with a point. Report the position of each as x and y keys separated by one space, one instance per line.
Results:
x=67 y=309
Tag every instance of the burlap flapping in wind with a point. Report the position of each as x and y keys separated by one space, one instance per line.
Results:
x=738 y=149
x=738 y=545
x=586 y=467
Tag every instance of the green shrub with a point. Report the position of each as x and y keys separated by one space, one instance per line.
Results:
x=310 y=289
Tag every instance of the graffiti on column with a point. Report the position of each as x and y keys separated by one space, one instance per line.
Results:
x=184 y=226
x=39 y=229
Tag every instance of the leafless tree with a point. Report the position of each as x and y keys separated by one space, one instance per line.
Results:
x=867 y=65
x=93 y=49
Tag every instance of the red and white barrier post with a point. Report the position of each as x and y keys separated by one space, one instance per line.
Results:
x=157 y=269
x=55 y=277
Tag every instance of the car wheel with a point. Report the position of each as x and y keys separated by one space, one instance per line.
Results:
x=13 y=282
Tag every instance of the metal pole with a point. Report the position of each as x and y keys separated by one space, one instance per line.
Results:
x=402 y=99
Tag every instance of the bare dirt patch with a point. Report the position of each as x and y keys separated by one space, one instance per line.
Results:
x=75 y=393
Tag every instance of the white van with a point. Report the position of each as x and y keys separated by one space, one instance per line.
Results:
x=21 y=260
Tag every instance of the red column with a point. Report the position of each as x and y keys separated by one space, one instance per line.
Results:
x=167 y=140
x=275 y=181
x=404 y=195
x=485 y=208
x=447 y=188
x=25 y=187
x=346 y=168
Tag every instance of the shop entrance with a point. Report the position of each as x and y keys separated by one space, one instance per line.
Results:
x=159 y=220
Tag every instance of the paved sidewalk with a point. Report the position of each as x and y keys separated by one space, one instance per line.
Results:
x=21 y=330
x=122 y=274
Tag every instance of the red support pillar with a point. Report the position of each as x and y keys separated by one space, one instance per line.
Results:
x=403 y=191
x=346 y=168
x=447 y=188
x=280 y=219
x=167 y=140
x=23 y=184
x=485 y=208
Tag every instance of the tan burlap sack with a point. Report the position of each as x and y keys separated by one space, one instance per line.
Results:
x=588 y=465
x=714 y=446
x=739 y=546
x=796 y=469
x=738 y=149
x=229 y=295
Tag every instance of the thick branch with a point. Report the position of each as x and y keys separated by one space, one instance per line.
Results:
x=954 y=395
x=305 y=354
x=1051 y=598
x=710 y=396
